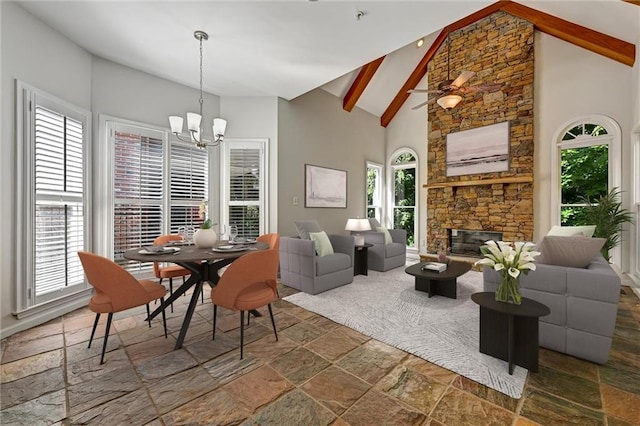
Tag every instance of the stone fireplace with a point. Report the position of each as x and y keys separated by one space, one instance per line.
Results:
x=499 y=48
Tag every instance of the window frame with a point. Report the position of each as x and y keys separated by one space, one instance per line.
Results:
x=379 y=190
x=391 y=190
x=28 y=303
x=613 y=139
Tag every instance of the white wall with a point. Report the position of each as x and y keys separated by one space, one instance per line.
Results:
x=571 y=82
x=251 y=118
x=314 y=129
x=41 y=57
x=408 y=129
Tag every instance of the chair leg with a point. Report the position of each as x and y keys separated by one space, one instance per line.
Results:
x=241 y=332
x=149 y=314
x=164 y=318
x=106 y=336
x=248 y=317
x=273 y=322
x=215 y=312
x=95 y=324
x=171 y=290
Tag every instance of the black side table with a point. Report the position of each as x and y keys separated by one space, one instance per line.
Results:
x=510 y=332
x=360 y=263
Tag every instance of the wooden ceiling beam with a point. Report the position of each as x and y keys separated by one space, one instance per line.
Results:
x=360 y=83
x=610 y=47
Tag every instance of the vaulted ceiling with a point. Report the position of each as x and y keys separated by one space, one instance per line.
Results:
x=288 y=48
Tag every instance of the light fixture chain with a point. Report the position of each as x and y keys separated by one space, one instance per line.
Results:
x=201 y=101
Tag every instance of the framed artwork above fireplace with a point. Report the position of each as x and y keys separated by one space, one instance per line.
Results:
x=481 y=150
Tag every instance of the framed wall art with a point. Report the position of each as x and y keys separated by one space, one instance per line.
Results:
x=325 y=187
x=481 y=150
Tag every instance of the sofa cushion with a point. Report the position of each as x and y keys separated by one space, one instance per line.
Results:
x=323 y=245
x=387 y=236
x=567 y=231
x=332 y=263
x=575 y=251
x=304 y=227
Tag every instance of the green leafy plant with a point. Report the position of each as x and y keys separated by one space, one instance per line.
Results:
x=607 y=214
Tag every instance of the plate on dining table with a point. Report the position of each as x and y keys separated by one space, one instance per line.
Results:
x=243 y=241
x=179 y=243
x=228 y=249
x=159 y=250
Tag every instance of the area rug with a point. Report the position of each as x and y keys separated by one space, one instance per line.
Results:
x=385 y=306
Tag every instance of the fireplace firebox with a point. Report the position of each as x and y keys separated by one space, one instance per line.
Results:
x=467 y=242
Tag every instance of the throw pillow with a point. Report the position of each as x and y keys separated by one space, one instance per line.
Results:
x=566 y=231
x=373 y=222
x=387 y=235
x=323 y=244
x=575 y=251
x=304 y=227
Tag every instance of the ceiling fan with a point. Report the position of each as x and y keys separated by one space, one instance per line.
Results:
x=447 y=95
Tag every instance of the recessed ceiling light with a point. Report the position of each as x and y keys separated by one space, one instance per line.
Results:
x=420 y=42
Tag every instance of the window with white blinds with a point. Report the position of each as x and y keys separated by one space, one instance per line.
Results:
x=138 y=180
x=53 y=138
x=244 y=187
x=150 y=178
x=189 y=179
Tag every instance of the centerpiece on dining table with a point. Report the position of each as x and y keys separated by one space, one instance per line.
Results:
x=205 y=237
x=510 y=260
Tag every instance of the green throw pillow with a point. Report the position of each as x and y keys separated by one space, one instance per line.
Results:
x=323 y=244
x=387 y=235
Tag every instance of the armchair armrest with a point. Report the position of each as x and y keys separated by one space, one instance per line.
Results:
x=343 y=244
x=398 y=235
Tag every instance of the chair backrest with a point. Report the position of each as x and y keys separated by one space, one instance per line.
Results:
x=272 y=239
x=163 y=239
x=109 y=278
x=252 y=268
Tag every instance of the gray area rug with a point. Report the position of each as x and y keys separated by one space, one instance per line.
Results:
x=385 y=306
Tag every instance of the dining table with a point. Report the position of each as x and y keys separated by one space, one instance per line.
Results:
x=204 y=264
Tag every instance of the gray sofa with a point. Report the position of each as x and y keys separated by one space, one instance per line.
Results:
x=382 y=257
x=302 y=269
x=583 y=303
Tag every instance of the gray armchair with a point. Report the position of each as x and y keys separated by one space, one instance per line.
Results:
x=303 y=270
x=383 y=257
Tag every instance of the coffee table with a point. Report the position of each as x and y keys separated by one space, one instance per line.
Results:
x=441 y=283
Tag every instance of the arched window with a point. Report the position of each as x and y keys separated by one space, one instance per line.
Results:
x=403 y=167
x=586 y=166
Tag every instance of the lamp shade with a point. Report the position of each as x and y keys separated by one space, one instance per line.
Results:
x=193 y=121
x=219 y=127
x=357 y=225
x=449 y=101
x=176 y=124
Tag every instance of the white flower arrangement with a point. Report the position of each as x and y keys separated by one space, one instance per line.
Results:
x=202 y=212
x=510 y=259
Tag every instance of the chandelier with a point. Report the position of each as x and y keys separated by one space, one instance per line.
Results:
x=193 y=119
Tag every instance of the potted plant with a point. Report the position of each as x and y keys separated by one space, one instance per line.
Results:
x=607 y=214
x=205 y=237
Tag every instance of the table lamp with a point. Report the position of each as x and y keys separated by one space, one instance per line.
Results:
x=357 y=225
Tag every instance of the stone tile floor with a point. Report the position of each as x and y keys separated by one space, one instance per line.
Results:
x=318 y=373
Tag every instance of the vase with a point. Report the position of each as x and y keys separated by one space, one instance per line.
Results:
x=509 y=290
x=205 y=238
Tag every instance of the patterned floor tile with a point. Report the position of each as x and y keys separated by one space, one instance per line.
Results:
x=335 y=389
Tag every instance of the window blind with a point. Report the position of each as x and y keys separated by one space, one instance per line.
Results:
x=189 y=179
x=59 y=210
x=138 y=194
x=245 y=190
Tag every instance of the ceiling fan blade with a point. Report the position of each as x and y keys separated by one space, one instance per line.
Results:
x=439 y=92
x=420 y=105
x=480 y=88
x=462 y=78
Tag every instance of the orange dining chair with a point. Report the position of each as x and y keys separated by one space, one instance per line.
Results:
x=272 y=239
x=116 y=290
x=247 y=284
x=169 y=271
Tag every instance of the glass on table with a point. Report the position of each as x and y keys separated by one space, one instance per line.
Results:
x=233 y=232
x=182 y=231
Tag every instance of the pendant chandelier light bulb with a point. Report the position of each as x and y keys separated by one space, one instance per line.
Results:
x=194 y=119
